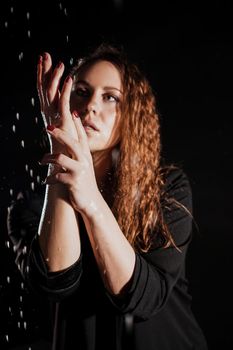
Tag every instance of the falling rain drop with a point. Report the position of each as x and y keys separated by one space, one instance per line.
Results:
x=25 y=325
x=12 y=9
x=65 y=11
x=11 y=192
x=28 y=15
x=22 y=285
x=17 y=116
x=67 y=38
x=38 y=179
x=32 y=186
x=71 y=61
x=6 y=24
x=31 y=172
x=21 y=298
x=8 y=279
x=36 y=120
x=18 y=324
x=21 y=313
x=13 y=128
x=7 y=337
x=21 y=56
x=8 y=244
x=60 y=5
x=33 y=101
x=29 y=34
x=22 y=143
x=26 y=167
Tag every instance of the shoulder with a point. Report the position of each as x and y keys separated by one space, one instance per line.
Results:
x=177 y=186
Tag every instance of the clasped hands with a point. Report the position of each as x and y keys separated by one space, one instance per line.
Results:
x=70 y=152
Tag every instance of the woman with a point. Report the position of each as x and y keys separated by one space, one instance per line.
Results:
x=116 y=223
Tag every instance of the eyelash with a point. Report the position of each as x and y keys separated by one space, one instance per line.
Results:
x=85 y=93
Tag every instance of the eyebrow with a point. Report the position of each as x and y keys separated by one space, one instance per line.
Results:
x=104 y=88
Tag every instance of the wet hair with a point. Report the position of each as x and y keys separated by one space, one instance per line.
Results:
x=139 y=176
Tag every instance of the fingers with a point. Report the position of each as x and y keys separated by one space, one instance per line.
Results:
x=64 y=102
x=82 y=136
x=64 y=138
x=66 y=163
x=39 y=80
x=53 y=85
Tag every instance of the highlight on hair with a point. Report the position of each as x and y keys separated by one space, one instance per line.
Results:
x=139 y=175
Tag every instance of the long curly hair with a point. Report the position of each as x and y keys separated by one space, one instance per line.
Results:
x=139 y=175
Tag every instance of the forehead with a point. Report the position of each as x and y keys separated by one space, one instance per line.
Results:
x=101 y=73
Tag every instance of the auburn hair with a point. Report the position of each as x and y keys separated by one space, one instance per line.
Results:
x=139 y=176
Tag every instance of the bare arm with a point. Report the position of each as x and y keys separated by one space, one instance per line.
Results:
x=59 y=230
x=114 y=255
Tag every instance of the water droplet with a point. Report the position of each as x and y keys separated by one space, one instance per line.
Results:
x=8 y=279
x=17 y=116
x=6 y=24
x=60 y=5
x=67 y=38
x=22 y=143
x=71 y=61
x=38 y=179
x=31 y=172
x=13 y=128
x=32 y=101
x=25 y=325
x=29 y=34
x=7 y=337
x=21 y=313
x=18 y=324
x=11 y=192
x=36 y=120
x=32 y=186
x=21 y=56
x=21 y=298
x=25 y=249
x=8 y=244
x=12 y=9
x=28 y=15
x=65 y=12
x=26 y=167
x=22 y=285
x=9 y=308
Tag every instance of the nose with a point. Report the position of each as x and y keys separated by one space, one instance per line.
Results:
x=92 y=104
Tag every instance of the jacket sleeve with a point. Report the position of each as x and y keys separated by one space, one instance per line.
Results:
x=157 y=271
x=22 y=224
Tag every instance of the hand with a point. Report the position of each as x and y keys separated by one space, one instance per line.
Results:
x=77 y=170
x=48 y=81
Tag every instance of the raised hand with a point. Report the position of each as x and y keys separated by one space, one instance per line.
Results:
x=48 y=81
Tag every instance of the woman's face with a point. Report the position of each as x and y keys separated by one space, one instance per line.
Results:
x=96 y=96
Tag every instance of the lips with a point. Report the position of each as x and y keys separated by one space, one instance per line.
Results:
x=90 y=125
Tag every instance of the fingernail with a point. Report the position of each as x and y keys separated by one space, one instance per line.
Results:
x=39 y=59
x=68 y=79
x=51 y=127
x=75 y=114
x=45 y=56
x=59 y=65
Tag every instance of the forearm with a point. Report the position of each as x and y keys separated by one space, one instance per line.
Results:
x=59 y=231
x=114 y=255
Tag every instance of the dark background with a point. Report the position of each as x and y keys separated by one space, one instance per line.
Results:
x=185 y=49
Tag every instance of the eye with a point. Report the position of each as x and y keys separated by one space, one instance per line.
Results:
x=111 y=98
x=82 y=92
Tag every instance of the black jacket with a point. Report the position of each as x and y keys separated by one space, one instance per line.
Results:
x=156 y=311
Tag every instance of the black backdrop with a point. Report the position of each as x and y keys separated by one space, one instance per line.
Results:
x=185 y=49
